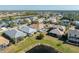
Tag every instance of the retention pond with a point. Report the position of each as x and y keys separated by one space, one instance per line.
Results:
x=42 y=49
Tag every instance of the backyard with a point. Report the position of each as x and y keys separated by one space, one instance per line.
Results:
x=31 y=42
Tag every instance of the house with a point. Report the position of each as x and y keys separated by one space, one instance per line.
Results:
x=6 y=21
x=56 y=30
x=60 y=27
x=14 y=35
x=2 y=24
x=53 y=19
x=38 y=26
x=41 y=20
x=56 y=33
x=34 y=18
x=28 y=30
x=65 y=22
x=3 y=42
x=76 y=23
x=2 y=29
x=16 y=21
x=27 y=20
x=73 y=36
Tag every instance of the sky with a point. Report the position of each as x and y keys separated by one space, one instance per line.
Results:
x=39 y=7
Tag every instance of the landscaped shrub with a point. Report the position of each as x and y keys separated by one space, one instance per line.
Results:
x=40 y=36
x=59 y=44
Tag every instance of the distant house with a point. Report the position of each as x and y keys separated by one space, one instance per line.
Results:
x=64 y=22
x=73 y=36
x=2 y=29
x=60 y=27
x=2 y=24
x=3 y=42
x=56 y=33
x=53 y=19
x=41 y=20
x=27 y=30
x=16 y=21
x=34 y=18
x=76 y=23
x=14 y=35
x=56 y=30
x=28 y=20
x=38 y=26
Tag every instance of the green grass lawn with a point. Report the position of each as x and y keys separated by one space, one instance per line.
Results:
x=30 y=42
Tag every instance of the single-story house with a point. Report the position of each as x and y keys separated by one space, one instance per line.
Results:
x=38 y=26
x=14 y=35
x=73 y=36
x=3 y=42
x=65 y=22
x=28 y=30
x=41 y=20
x=56 y=33
x=18 y=21
x=60 y=27
x=3 y=24
x=76 y=23
x=34 y=18
x=53 y=19
x=27 y=20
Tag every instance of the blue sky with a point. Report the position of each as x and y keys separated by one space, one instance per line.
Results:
x=39 y=7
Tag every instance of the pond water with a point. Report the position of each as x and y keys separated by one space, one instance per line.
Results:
x=42 y=49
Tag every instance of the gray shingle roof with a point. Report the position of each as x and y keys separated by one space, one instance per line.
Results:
x=27 y=29
x=14 y=34
x=56 y=31
x=73 y=33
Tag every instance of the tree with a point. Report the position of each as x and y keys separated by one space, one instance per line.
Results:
x=12 y=24
x=40 y=36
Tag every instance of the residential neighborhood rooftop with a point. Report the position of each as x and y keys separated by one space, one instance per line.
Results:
x=3 y=41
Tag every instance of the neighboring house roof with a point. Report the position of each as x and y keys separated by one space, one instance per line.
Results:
x=40 y=20
x=17 y=20
x=65 y=22
x=31 y=17
x=27 y=29
x=73 y=33
x=60 y=27
x=3 y=41
x=73 y=36
x=53 y=19
x=28 y=19
x=56 y=31
x=14 y=34
x=2 y=24
x=72 y=28
x=76 y=23
x=38 y=26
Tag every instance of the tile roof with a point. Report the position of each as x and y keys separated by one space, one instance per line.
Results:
x=3 y=41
